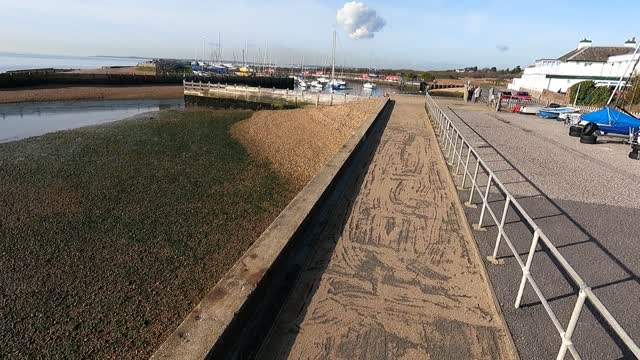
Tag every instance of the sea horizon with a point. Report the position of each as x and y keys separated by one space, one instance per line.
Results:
x=10 y=61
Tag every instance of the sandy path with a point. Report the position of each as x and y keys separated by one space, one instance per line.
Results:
x=404 y=280
x=73 y=93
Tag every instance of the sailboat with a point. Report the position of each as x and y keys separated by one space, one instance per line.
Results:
x=610 y=120
x=334 y=83
x=369 y=85
x=301 y=83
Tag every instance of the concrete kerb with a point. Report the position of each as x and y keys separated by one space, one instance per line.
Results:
x=477 y=253
x=210 y=325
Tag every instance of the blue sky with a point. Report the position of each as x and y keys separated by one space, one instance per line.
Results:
x=418 y=34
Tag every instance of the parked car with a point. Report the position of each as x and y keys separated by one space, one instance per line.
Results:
x=521 y=95
x=506 y=95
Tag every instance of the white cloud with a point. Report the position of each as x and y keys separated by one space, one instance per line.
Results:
x=359 y=20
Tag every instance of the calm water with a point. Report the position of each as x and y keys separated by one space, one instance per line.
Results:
x=356 y=88
x=23 y=120
x=9 y=61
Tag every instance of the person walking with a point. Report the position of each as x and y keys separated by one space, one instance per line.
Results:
x=476 y=94
x=470 y=94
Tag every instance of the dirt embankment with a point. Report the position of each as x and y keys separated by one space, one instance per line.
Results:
x=299 y=142
x=73 y=93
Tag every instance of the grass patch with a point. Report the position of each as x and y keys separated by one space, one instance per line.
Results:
x=149 y=69
x=109 y=235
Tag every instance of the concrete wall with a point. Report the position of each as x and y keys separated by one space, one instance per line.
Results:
x=237 y=314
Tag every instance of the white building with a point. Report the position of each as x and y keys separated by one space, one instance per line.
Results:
x=602 y=64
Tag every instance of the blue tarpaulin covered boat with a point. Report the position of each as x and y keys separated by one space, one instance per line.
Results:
x=612 y=121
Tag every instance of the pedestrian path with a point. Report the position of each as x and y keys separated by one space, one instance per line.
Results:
x=400 y=277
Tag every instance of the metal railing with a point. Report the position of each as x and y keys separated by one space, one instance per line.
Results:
x=199 y=88
x=459 y=153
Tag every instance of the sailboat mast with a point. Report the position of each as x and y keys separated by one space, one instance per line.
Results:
x=624 y=75
x=220 y=48
x=333 y=58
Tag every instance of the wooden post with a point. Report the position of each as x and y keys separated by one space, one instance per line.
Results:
x=345 y=98
x=331 y=100
x=317 y=100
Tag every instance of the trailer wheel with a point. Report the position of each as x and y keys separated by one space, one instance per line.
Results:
x=588 y=139
x=635 y=147
x=589 y=129
x=575 y=131
x=634 y=155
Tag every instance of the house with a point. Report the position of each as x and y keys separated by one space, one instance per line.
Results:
x=392 y=78
x=602 y=64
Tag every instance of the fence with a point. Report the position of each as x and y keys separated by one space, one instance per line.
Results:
x=455 y=147
x=587 y=109
x=261 y=94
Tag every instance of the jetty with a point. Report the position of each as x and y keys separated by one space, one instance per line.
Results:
x=208 y=90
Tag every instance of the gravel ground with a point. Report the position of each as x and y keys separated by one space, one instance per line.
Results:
x=585 y=199
x=109 y=235
x=72 y=93
x=299 y=142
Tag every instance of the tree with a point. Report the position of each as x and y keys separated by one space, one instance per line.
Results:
x=427 y=76
x=632 y=94
x=590 y=94
x=516 y=70
x=494 y=69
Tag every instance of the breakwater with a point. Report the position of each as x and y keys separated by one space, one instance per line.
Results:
x=27 y=79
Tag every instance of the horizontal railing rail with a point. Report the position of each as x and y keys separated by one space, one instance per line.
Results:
x=459 y=154
x=199 y=88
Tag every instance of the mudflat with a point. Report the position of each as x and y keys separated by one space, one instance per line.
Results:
x=73 y=93
x=110 y=234
x=400 y=276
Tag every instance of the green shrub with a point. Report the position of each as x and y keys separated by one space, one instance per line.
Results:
x=590 y=94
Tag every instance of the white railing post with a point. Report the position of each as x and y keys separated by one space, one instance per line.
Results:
x=460 y=156
x=452 y=149
x=494 y=257
x=485 y=203
x=527 y=267
x=474 y=185
x=451 y=144
x=566 y=336
x=466 y=168
x=445 y=139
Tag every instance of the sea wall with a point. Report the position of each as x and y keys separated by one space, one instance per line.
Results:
x=241 y=103
x=39 y=78
x=237 y=314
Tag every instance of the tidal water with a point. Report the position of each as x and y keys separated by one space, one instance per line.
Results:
x=11 y=61
x=23 y=120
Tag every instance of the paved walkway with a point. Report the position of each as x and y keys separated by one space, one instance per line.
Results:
x=585 y=198
x=403 y=280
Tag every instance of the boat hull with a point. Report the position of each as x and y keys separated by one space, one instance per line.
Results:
x=548 y=114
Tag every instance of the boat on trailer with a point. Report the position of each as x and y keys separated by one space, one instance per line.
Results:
x=612 y=120
x=554 y=113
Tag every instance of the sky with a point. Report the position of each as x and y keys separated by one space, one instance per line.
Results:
x=427 y=34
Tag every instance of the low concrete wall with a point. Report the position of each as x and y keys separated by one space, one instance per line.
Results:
x=262 y=103
x=237 y=314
